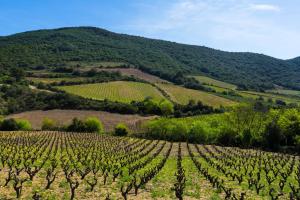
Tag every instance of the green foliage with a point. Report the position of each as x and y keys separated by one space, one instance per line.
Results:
x=48 y=124
x=93 y=125
x=121 y=130
x=15 y=125
x=166 y=129
x=245 y=126
x=76 y=126
x=165 y=59
x=166 y=107
x=90 y=125
x=24 y=125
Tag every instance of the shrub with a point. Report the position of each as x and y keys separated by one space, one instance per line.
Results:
x=198 y=133
x=166 y=108
x=121 y=130
x=48 y=124
x=76 y=126
x=9 y=125
x=24 y=125
x=93 y=125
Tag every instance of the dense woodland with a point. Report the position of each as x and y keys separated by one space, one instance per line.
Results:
x=50 y=48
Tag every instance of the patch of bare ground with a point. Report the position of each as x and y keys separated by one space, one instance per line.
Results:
x=62 y=117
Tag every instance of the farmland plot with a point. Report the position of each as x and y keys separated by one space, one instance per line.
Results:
x=58 y=165
x=183 y=95
x=121 y=91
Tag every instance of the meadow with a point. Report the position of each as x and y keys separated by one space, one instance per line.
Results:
x=59 y=165
x=121 y=91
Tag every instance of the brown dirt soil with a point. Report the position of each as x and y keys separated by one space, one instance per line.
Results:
x=62 y=117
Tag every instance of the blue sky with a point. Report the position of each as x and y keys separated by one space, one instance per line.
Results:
x=271 y=27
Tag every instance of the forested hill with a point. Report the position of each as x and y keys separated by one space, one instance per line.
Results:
x=51 y=47
x=296 y=61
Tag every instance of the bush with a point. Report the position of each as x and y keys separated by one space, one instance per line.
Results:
x=198 y=133
x=13 y=125
x=76 y=126
x=48 y=124
x=166 y=107
x=24 y=125
x=93 y=125
x=9 y=125
x=121 y=130
x=90 y=125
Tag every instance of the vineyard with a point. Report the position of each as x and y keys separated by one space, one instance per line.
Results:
x=183 y=95
x=58 y=165
x=214 y=82
x=122 y=91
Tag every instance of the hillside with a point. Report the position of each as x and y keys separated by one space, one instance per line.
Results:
x=53 y=47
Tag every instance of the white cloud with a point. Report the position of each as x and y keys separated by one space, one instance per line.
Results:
x=232 y=25
x=265 y=7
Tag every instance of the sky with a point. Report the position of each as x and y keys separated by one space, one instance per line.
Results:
x=271 y=27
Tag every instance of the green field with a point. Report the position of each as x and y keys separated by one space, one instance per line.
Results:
x=214 y=82
x=183 y=95
x=121 y=91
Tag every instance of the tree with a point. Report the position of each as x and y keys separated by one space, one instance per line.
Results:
x=166 y=107
x=273 y=136
x=198 y=133
x=121 y=130
x=18 y=73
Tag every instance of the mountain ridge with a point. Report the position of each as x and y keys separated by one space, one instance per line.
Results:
x=163 y=58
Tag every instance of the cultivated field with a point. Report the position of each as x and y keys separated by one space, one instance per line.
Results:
x=121 y=91
x=56 y=165
x=64 y=117
x=136 y=73
x=182 y=95
x=285 y=92
x=214 y=82
x=272 y=96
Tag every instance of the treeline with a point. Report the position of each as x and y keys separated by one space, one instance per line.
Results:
x=246 y=126
x=19 y=98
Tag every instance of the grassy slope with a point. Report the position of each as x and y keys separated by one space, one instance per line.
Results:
x=183 y=95
x=122 y=91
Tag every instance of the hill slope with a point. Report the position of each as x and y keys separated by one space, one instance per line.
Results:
x=50 y=47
